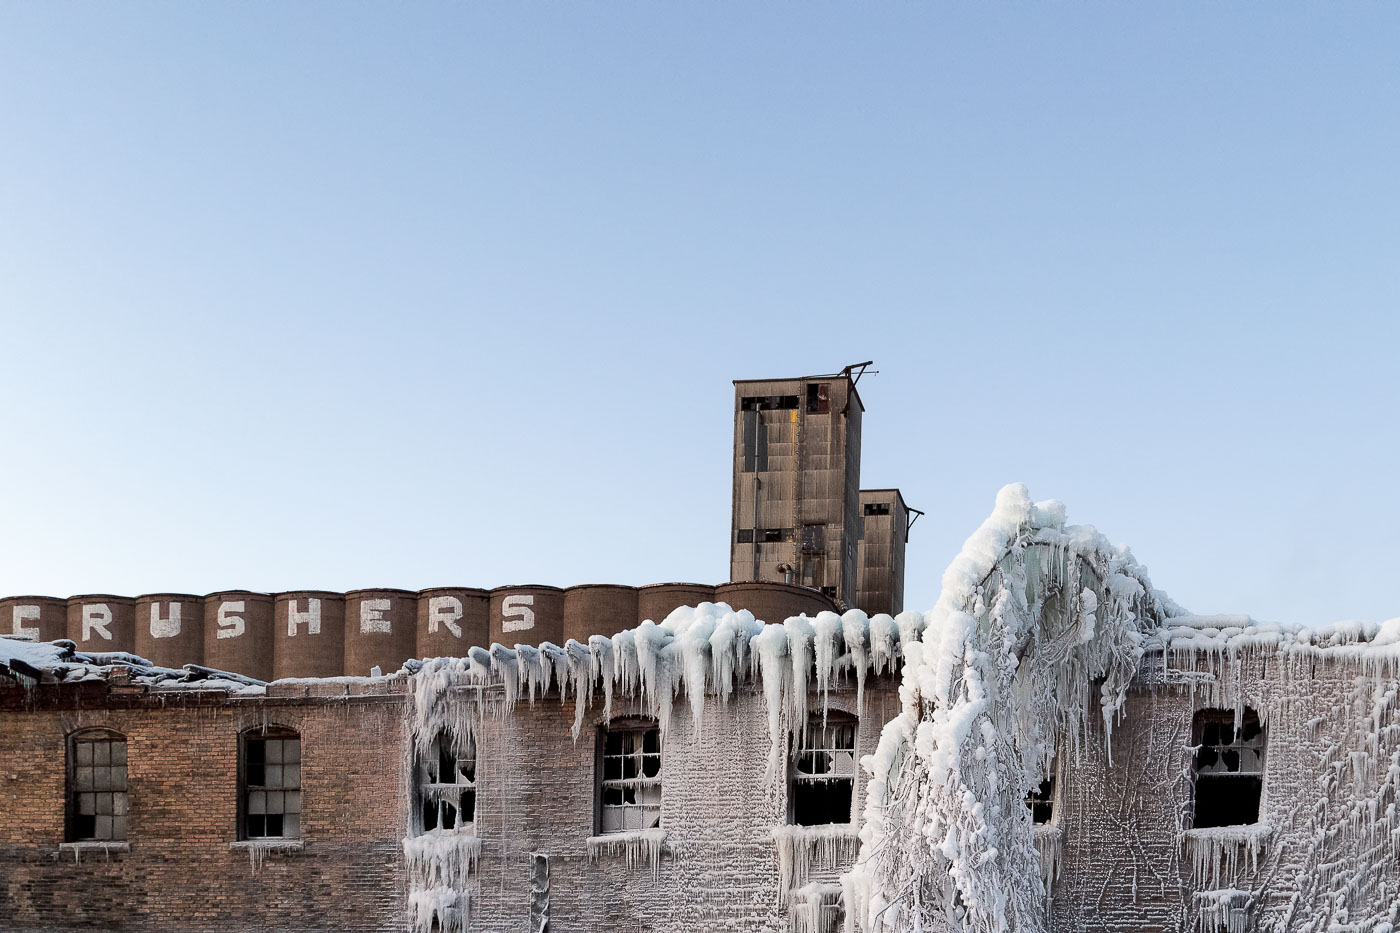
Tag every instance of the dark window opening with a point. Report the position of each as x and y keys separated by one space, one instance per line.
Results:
x=824 y=772
x=629 y=786
x=813 y=539
x=447 y=785
x=746 y=536
x=1042 y=801
x=829 y=592
x=1229 y=768
x=877 y=508
x=771 y=535
x=271 y=792
x=818 y=398
x=97 y=790
x=768 y=403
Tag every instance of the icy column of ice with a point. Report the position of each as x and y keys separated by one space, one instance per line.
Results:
x=604 y=667
x=884 y=643
x=581 y=677
x=441 y=858
x=725 y=655
x=801 y=849
x=626 y=667
x=770 y=650
x=855 y=631
x=693 y=643
x=799 y=634
x=439 y=910
x=1003 y=671
x=506 y=664
x=532 y=670
x=810 y=906
x=826 y=638
x=1222 y=911
x=1222 y=851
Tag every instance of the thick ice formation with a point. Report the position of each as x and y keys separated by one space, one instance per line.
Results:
x=1038 y=624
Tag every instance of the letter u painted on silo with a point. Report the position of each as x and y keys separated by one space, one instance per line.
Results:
x=170 y=629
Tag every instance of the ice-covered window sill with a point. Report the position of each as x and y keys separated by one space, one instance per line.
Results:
x=1254 y=833
x=639 y=847
x=93 y=847
x=266 y=845
x=1047 y=831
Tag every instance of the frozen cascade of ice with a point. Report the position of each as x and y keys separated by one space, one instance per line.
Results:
x=1032 y=615
x=695 y=652
x=803 y=848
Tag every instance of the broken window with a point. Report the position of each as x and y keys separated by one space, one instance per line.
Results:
x=813 y=539
x=818 y=398
x=629 y=789
x=768 y=403
x=746 y=536
x=96 y=786
x=271 y=784
x=1229 y=768
x=1041 y=801
x=824 y=772
x=447 y=784
x=877 y=508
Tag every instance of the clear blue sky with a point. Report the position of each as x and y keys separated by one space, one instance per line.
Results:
x=346 y=294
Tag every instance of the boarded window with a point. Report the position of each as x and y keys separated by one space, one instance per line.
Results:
x=824 y=772
x=1229 y=768
x=271 y=799
x=447 y=784
x=1042 y=801
x=97 y=795
x=629 y=786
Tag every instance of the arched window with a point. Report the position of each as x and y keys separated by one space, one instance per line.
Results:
x=446 y=784
x=1229 y=768
x=824 y=772
x=269 y=784
x=96 y=786
x=629 y=776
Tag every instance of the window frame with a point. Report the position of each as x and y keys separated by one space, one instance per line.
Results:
x=632 y=725
x=423 y=770
x=262 y=734
x=833 y=719
x=94 y=735
x=1259 y=742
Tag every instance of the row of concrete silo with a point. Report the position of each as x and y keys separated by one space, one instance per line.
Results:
x=313 y=633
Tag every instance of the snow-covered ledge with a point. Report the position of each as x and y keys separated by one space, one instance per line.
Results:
x=638 y=845
x=1217 y=851
x=92 y=847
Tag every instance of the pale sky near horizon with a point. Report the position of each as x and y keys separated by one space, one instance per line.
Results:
x=348 y=295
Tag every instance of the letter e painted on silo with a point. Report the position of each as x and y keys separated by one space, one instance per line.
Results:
x=96 y=618
x=311 y=618
x=23 y=613
x=372 y=616
x=516 y=614
x=445 y=610
x=230 y=625
x=168 y=627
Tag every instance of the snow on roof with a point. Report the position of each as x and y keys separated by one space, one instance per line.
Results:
x=60 y=662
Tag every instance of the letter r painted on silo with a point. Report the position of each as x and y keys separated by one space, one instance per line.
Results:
x=23 y=614
x=230 y=625
x=96 y=618
x=444 y=610
x=516 y=614
x=311 y=618
x=372 y=616
x=168 y=627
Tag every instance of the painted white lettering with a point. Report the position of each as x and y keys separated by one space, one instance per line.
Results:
x=96 y=618
x=230 y=625
x=372 y=615
x=168 y=627
x=311 y=618
x=516 y=614
x=445 y=610
x=23 y=614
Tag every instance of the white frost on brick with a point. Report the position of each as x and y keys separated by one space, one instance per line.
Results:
x=639 y=847
x=803 y=849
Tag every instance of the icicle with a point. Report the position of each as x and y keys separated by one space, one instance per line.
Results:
x=639 y=847
x=855 y=629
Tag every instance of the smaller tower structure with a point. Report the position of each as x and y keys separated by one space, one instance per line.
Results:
x=880 y=586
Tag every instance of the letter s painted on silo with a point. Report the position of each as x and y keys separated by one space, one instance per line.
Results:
x=516 y=614
x=230 y=626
